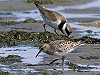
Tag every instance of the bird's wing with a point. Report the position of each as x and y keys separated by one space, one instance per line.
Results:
x=58 y=45
x=50 y=15
x=64 y=46
x=53 y=16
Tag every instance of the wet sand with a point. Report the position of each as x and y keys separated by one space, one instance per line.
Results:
x=88 y=49
x=15 y=6
x=20 y=5
x=72 y=2
x=74 y=57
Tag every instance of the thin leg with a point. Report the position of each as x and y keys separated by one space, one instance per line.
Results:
x=54 y=61
x=63 y=63
x=63 y=60
x=44 y=27
x=56 y=32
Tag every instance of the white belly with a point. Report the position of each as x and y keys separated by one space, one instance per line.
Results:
x=53 y=24
x=63 y=53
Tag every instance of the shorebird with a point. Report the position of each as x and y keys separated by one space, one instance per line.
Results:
x=54 y=20
x=59 y=48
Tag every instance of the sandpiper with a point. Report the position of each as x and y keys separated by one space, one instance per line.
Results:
x=59 y=48
x=54 y=20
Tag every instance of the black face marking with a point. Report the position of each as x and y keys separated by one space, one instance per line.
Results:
x=67 y=31
x=61 y=26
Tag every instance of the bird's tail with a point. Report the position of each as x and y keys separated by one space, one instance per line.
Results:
x=80 y=43
x=36 y=4
x=41 y=8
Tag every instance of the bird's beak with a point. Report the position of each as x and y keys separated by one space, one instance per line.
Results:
x=67 y=36
x=38 y=53
x=70 y=37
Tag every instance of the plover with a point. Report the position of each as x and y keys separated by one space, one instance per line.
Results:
x=59 y=48
x=54 y=20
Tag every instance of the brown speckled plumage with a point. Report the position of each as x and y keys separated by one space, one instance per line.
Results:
x=59 y=48
x=62 y=45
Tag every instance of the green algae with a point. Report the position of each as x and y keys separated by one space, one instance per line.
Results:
x=71 y=65
x=29 y=20
x=6 y=73
x=89 y=31
x=13 y=37
x=8 y=22
x=1 y=18
x=95 y=56
x=76 y=67
x=37 y=73
x=40 y=1
x=29 y=73
x=10 y=59
x=18 y=37
x=92 y=24
x=45 y=37
x=89 y=40
x=47 y=1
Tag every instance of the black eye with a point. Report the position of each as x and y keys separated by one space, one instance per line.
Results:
x=41 y=48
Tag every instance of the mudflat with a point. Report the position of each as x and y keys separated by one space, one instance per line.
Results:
x=88 y=54
x=21 y=5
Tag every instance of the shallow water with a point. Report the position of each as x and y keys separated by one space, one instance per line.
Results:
x=22 y=15
x=95 y=31
x=28 y=53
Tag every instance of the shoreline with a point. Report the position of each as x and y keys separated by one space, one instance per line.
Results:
x=21 y=6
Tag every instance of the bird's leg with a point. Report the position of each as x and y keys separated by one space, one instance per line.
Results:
x=58 y=59
x=56 y=32
x=44 y=27
x=63 y=60
x=53 y=61
x=63 y=63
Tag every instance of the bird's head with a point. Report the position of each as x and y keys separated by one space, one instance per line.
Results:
x=44 y=48
x=67 y=30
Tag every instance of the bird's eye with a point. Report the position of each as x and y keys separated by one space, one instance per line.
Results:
x=41 y=48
